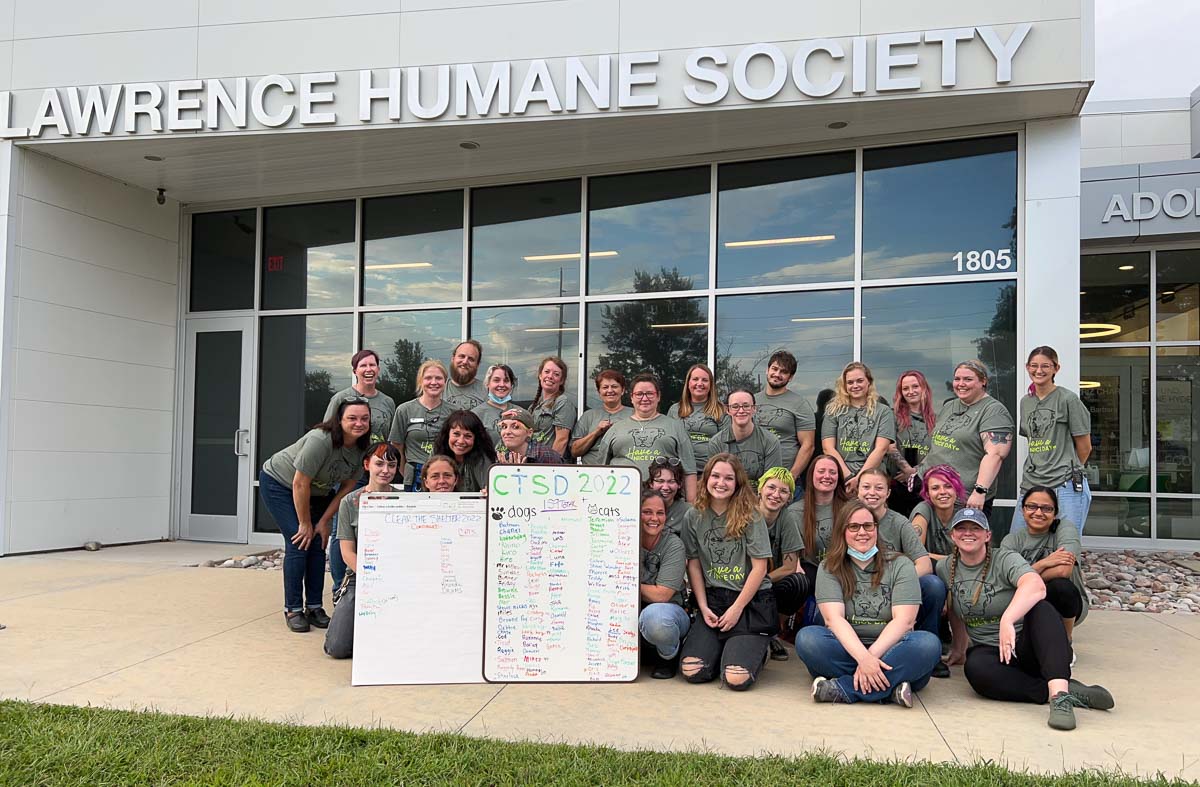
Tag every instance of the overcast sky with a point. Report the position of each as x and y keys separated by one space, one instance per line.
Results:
x=1146 y=49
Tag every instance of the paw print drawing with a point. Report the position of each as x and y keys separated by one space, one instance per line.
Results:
x=497 y=513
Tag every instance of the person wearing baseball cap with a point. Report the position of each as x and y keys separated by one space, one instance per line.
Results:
x=1018 y=646
x=516 y=426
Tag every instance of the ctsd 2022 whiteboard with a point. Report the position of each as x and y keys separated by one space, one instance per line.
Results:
x=419 y=589
x=562 y=574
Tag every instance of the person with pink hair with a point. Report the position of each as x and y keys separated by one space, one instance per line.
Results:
x=915 y=419
x=942 y=494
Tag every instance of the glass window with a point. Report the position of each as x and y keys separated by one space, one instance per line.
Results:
x=404 y=340
x=1178 y=419
x=786 y=221
x=940 y=209
x=647 y=223
x=660 y=336
x=931 y=328
x=1177 y=283
x=1176 y=518
x=1114 y=297
x=308 y=256
x=816 y=327
x=525 y=240
x=1115 y=385
x=303 y=362
x=1121 y=517
x=413 y=249
x=521 y=336
x=222 y=260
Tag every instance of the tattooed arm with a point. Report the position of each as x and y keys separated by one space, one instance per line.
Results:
x=996 y=446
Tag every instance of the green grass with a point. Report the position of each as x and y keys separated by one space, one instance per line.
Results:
x=50 y=744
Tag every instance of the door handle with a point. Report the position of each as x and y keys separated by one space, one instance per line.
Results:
x=237 y=441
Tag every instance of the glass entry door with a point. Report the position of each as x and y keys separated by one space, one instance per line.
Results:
x=215 y=499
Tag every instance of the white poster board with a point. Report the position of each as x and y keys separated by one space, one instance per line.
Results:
x=419 y=589
x=562 y=574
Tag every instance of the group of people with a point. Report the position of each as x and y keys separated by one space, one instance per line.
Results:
x=874 y=553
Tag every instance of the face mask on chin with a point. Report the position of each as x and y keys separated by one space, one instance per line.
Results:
x=870 y=553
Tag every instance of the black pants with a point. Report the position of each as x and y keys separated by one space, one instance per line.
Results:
x=744 y=646
x=1042 y=654
x=903 y=501
x=791 y=592
x=1062 y=594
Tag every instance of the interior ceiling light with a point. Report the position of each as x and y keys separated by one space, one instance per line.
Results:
x=549 y=330
x=1125 y=268
x=741 y=244
x=391 y=266
x=1168 y=292
x=837 y=124
x=573 y=256
x=1094 y=330
x=821 y=319
x=153 y=158
x=678 y=324
x=1088 y=384
x=469 y=145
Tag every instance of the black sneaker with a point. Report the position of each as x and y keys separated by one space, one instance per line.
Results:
x=317 y=617
x=665 y=669
x=777 y=650
x=940 y=670
x=296 y=621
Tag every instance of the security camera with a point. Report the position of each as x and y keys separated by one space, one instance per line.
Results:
x=161 y=199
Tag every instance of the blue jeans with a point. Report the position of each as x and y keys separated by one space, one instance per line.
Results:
x=933 y=599
x=1072 y=506
x=337 y=565
x=303 y=570
x=911 y=659
x=664 y=625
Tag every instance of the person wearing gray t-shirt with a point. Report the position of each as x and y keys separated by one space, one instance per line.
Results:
x=787 y=414
x=464 y=389
x=663 y=622
x=756 y=448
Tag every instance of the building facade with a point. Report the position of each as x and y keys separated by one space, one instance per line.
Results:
x=210 y=206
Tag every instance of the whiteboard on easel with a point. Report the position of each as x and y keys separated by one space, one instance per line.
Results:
x=419 y=589
x=562 y=574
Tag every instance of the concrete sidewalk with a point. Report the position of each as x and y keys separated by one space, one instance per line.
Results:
x=134 y=628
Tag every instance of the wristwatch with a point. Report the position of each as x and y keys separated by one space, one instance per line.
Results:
x=983 y=490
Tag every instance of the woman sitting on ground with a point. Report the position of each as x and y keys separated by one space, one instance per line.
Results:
x=464 y=439
x=441 y=475
x=516 y=438
x=867 y=651
x=381 y=462
x=727 y=552
x=1018 y=646
x=666 y=478
x=789 y=583
x=942 y=493
x=663 y=622
x=1052 y=546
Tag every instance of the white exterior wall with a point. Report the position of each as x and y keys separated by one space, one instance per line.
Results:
x=89 y=382
x=1135 y=132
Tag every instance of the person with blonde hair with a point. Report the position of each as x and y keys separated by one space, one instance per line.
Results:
x=858 y=429
x=554 y=412
x=418 y=421
x=700 y=409
x=728 y=549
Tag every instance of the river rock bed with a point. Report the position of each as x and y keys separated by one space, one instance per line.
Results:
x=264 y=561
x=1143 y=581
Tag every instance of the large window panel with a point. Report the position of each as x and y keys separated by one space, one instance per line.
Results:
x=413 y=249
x=303 y=362
x=648 y=223
x=1114 y=384
x=940 y=209
x=1177 y=288
x=816 y=327
x=1177 y=423
x=931 y=328
x=1179 y=519
x=521 y=336
x=308 y=257
x=222 y=261
x=663 y=336
x=1119 y=517
x=525 y=240
x=404 y=340
x=786 y=221
x=1114 y=298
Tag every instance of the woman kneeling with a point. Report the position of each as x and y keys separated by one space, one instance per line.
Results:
x=871 y=654
x=1019 y=650
x=663 y=622
x=727 y=552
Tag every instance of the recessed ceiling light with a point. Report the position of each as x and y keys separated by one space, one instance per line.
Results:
x=1168 y=292
x=1125 y=268
x=153 y=158
x=1094 y=330
x=469 y=145
x=1083 y=292
x=837 y=124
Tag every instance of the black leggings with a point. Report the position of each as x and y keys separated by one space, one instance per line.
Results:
x=791 y=592
x=745 y=646
x=1042 y=654
x=1062 y=594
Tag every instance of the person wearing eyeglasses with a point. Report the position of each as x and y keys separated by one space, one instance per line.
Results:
x=1058 y=428
x=308 y=480
x=666 y=478
x=662 y=622
x=700 y=409
x=756 y=447
x=1019 y=651
x=516 y=441
x=588 y=434
x=858 y=429
x=1052 y=546
x=867 y=649
x=418 y=421
x=648 y=434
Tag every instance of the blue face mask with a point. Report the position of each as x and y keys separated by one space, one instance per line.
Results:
x=870 y=553
x=492 y=398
